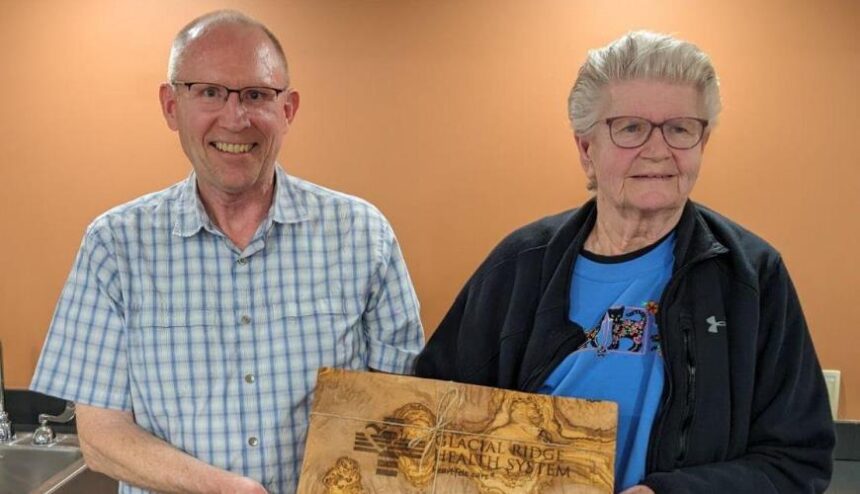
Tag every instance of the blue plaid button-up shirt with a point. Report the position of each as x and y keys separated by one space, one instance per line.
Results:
x=216 y=349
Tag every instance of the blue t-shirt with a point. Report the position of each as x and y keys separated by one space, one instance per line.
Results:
x=615 y=299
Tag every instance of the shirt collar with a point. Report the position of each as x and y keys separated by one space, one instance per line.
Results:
x=288 y=205
x=190 y=214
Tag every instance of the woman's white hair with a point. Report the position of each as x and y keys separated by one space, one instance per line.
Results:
x=641 y=55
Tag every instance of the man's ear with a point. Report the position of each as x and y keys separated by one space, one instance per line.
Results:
x=583 y=145
x=291 y=105
x=167 y=96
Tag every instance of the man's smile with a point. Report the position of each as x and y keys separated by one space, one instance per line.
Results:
x=232 y=148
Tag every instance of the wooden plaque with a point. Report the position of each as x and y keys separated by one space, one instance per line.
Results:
x=382 y=433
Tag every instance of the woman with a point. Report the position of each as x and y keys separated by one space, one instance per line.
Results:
x=643 y=297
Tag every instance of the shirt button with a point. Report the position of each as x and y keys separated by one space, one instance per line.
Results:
x=250 y=378
x=243 y=261
x=253 y=441
x=245 y=320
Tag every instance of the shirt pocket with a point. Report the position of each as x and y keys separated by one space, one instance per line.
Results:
x=177 y=358
x=305 y=335
x=192 y=361
x=331 y=305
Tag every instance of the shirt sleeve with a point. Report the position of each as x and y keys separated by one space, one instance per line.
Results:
x=84 y=355
x=391 y=319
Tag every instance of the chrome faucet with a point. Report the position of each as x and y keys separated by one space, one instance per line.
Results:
x=44 y=435
x=7 y=433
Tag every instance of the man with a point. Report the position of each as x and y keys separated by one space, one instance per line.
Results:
x=194 y=320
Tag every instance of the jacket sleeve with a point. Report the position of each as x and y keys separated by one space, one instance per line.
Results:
x=467 y=345
x=439 y=358
x=791 y=435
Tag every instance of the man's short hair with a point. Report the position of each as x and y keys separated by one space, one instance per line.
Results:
x=205 y=22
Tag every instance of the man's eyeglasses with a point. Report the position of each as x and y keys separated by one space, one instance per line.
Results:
x=679 y=133
x=213 y=97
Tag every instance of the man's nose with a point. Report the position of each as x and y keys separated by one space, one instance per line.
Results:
x=234 y=116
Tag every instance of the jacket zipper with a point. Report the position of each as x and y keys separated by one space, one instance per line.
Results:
x=691 y=390
x=660 y=419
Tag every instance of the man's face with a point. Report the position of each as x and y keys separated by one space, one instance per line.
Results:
x=232 y=149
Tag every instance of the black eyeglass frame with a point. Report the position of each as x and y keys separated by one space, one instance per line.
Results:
x=657 y=125
x=229 y=89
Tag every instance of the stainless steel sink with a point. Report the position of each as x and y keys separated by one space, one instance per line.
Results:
x=53 y=469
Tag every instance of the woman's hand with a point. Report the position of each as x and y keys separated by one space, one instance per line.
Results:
x=638 y=489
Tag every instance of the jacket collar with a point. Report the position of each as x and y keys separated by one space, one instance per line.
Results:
x=694 y=239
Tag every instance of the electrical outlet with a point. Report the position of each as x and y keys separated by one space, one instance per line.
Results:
x=832 y=378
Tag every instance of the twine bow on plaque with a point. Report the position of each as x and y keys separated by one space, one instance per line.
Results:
x=448 y=403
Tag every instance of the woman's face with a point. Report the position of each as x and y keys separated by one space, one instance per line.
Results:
x=652 y=177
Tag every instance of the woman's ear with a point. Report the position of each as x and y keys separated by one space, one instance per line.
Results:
x=583 y=145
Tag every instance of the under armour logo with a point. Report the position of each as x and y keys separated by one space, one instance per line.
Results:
x=714 y=324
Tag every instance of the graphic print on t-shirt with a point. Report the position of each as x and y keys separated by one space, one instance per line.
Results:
x=625 y=328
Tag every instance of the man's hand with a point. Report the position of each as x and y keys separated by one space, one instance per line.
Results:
x=638 y=489
x=244 y=485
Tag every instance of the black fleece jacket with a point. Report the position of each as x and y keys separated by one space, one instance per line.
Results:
x=744 y=407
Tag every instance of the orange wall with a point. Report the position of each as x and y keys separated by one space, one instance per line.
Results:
x=449 y=115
